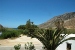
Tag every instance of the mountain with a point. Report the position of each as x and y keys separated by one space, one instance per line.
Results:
x=68 y=18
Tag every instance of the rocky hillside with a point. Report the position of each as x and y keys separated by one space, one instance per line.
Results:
x=69 y=20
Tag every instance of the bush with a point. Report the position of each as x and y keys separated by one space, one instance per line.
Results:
x=26 y=32
x=29 y=46
x=10 y=33
x=69 y=31
x=21 y=27
x=17 y=47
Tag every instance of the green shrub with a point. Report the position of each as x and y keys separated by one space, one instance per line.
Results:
x=69 y=31
x=29 y=46
x=10 y=33
x=26 y=31
x=21 y=27
x=17 y=47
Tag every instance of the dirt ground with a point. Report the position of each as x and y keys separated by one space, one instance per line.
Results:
x=8 y=44
x=21 y=40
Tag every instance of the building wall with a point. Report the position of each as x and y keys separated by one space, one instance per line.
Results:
x=63 y=46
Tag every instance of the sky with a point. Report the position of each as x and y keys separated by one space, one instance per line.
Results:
x=16 y=12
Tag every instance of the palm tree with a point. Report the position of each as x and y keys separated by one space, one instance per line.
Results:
x=51 y=39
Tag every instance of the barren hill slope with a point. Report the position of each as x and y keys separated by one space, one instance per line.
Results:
x=69 y=19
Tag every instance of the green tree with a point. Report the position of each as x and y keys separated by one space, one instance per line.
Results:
x=28 y=24
x=31 y=27
x=21 y=27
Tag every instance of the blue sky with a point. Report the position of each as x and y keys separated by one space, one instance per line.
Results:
x=16 y=12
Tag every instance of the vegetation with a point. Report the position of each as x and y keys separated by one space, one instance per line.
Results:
x=29 y=28
x=29 y=46
x=71 y=31
x=51 y=39
x=26 y=32
x=29 y=25
x=9 y=33
x=17 y=47
x=21 y=27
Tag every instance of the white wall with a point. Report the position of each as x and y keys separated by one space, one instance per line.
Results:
x=63 y=45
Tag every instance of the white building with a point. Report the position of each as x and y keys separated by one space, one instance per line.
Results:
x=63 y=46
